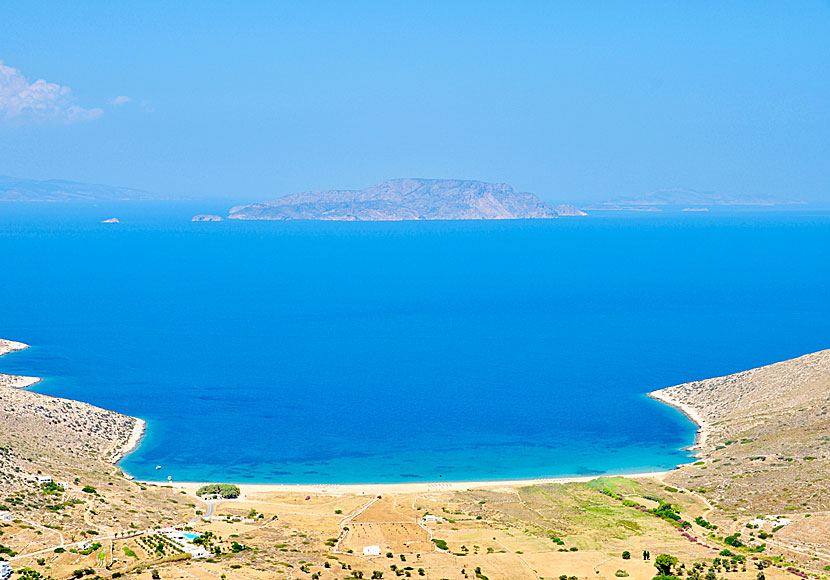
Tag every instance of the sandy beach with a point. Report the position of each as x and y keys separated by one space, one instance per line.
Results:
x=397 y=488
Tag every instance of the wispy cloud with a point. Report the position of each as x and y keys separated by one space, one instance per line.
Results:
x=120 y=100
x=38 y=101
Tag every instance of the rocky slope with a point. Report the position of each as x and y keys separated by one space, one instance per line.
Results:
x=75 y=433
x=405 y=199
x=765 y=441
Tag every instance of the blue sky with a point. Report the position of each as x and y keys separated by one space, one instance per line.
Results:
x=570 y=100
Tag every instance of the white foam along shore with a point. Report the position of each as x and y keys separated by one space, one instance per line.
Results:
x=691 y=413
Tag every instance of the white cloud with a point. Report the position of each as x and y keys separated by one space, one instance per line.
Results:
x=120 y=100
x=39 y=101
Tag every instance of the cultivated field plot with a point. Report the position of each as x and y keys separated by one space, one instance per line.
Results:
x=317 y=504
x=389 y=509
x=24 y=538
x=398 y=538
x=494 y=566
x=315 y=527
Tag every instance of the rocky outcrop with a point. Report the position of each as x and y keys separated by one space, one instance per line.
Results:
x=404 y=199
x=204 y=217
x=17 y=381
x=7 y=346
x=110 y=221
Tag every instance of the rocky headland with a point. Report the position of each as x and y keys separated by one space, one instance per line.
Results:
x=764 y=441
x=75 y=433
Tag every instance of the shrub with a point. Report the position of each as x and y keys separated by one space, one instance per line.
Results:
x=626 y=555
x=664 y=564
x=704 y=524
x=733 y=541
x=224 y=490
x=666 y=512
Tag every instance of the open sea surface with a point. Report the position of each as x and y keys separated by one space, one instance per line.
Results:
x=318 y=352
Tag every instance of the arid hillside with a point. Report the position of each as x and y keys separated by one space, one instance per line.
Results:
x=765 y=437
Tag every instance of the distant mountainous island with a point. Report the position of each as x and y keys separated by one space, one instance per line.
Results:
x=408 y=199
x=17 y=189
x=397 y=199
x=689 y=200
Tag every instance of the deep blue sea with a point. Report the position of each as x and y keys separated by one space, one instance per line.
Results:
x=383 y=352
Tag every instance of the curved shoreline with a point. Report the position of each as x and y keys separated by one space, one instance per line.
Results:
x=140 y=427
x=137 y=434
x=24 y=382
x=691 y=414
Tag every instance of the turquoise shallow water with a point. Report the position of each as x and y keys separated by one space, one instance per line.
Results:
x=358 y=352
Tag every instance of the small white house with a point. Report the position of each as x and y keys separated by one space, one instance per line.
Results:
x=196 y=551
x=5 y=517
x=41 y=479
x=773 y=521
x=371 y=551
x=431 y=519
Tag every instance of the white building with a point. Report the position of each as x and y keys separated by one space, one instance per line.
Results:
x=371 y=551
x=772 y=521
x=185 y=542
x=41 y=479
x=5 y=517
x=431 y=519
x=196 y=551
